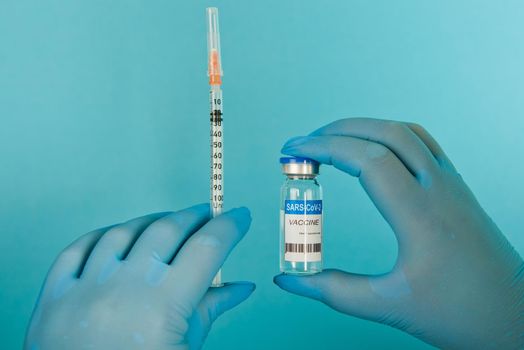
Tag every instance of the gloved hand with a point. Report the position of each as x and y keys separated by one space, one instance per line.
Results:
x=143 y=284
x=457 y=282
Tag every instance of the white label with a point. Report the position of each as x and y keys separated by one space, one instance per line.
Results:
x=303 y=230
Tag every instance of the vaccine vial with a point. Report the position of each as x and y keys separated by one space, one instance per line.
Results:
x=300 y=217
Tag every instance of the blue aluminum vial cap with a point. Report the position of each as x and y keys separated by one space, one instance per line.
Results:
x=287 y=160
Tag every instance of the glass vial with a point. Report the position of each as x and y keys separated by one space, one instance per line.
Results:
x=300 y=217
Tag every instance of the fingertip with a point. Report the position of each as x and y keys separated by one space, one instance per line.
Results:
x=234 y=293
x=289 y=151
x=242 y=217
x=313 y=147
x=240 y=283
x=243 y=287
x=252 y=286
x=317 y=132
x=286 y=282
x=221 y=299
x=152 y=216
x=295 y=141
x=201 y=206
x=324 y=130
x=300 y=285
x=295 y=146
x=201 y=209
x=277 y=279
x=244 y=211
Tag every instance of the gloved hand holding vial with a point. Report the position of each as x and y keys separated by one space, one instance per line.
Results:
x=457 y=283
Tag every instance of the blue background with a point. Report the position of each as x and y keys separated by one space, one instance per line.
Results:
x=104 y=111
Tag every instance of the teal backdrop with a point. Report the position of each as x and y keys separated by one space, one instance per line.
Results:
x=104 y=117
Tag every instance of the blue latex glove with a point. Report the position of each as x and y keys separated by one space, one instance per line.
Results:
x=143 y=284
x=457 y=282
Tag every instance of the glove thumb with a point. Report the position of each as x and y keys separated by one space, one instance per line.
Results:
x=215 y=302
x=368 y=297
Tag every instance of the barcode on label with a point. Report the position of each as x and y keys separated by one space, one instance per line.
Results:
x=303 y=248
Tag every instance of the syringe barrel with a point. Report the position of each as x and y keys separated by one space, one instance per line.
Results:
x=217 y=149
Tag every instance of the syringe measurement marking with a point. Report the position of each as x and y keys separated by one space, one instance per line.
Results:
x=217 y=194
x=217 y=175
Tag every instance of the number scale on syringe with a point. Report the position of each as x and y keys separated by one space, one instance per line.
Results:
x=217 y=146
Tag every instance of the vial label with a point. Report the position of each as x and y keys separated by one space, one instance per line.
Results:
x=303 y=230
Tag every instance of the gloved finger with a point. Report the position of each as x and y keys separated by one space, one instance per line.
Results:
x=433 y=146
x=396 y=136
x=204 y=252
x=345 y=292
x=385 y=179
x=113 y=246
x=163 y=238
x=215 y=302
x=69 y=264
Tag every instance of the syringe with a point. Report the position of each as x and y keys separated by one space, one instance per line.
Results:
x=215 y=95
